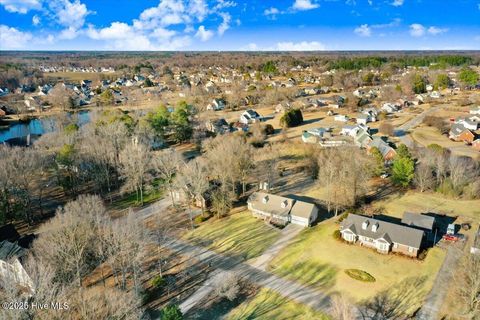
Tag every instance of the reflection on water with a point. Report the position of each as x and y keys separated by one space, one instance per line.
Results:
x=39 y=126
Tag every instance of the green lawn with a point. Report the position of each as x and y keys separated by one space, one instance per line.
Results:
x=270 y=305
x=238 y=234
x=317 y=259
x=396 y=205
x=149 y=196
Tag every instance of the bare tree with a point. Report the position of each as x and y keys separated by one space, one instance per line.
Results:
x=424 y=178
x=193 y=177
x=135 y=165
x=468 y=277
x=167 y=164
x=227 y=286
x=73 y=230
x=341 y=308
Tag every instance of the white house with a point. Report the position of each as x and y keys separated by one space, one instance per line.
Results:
x=363 y=119
x=341 y=118
x=250 y=116
x=475 y=110
x=389 y=107
x=217 y=104
x=11 y=267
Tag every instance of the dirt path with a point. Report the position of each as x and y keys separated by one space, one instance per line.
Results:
x=402 y=131
x=435 y=298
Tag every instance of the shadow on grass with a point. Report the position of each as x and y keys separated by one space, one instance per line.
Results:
x=400 y=301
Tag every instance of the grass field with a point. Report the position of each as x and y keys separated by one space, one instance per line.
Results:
x=395 y=205
x=427 y=135
x=270 y=305
x=317 y=259
x=79 y=76
x=239 y=235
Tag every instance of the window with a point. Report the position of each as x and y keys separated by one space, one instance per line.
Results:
x=395 y=245
x=410 y=249
x=382 y=246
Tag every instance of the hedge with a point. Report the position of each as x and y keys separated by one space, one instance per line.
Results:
x=360 y=275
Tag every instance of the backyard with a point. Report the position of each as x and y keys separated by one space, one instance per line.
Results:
x=319 y=260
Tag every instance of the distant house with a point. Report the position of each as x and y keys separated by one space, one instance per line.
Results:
x=11 y=268
x=363 y=119
x=383 y=236
x=250 y=116
x=219 y=126
x=458 y=132
x=307 y=137
x=389 y=107
x=216 y=105
x=475 y=248
x=469 y=123
x=362 y=139
x=341 y=118
x=281 y=210
x=419 y=221
x=475 y=110
x=387 y=152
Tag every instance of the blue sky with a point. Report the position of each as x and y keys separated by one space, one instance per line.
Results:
x=239 y=25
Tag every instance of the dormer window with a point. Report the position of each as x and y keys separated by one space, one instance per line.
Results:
x=284 y=204
x=374 y=227
x=265 y=199
x=365 y=225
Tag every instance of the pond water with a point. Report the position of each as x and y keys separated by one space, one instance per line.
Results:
x=39 y=126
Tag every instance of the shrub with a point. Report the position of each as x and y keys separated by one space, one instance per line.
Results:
x=436 y=122
x=157 y=282
x=360 y=275
x=201 y=218
x=291 y=118
x=269 y=129
x=387 y=128
x=171 y=312
x=343 y=217
x=337 y=235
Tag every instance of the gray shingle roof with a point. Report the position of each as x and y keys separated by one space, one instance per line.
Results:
x=9 y=250
x=270 y=203
x=389 y=231
x=418 y=220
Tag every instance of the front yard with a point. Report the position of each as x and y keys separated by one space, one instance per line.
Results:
x=319 y=260
x=270 y=305
x=239 y=234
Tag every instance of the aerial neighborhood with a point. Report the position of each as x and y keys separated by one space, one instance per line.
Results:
x=240 y=185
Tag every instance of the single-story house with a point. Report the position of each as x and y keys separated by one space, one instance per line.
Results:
x=219 y=126
x=459 y=133
x=475 y=110
x=250 y=116
x=217 y=104
x=419 y=221
x=475 y=249
x=341 y=118
x=281 y=210
x=383 y=236
x=387 y=152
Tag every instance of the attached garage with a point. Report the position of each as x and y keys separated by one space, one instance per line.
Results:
x=303 y=213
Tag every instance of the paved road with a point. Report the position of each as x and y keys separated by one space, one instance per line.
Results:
x=402 y=131
x=436 y=297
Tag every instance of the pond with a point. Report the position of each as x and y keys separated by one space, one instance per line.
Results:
x=39 y=126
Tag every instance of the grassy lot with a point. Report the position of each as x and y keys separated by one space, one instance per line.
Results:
x=395 y=205
x=239 y=234
x=130 y=200
x=317 y=259
x=79 y=76
x=427 y=135
x=270 y=305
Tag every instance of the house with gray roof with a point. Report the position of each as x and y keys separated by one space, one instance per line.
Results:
x=11 y=268
x=282 y=210
x=387 y=152
x=383 y=236
x=419 y=221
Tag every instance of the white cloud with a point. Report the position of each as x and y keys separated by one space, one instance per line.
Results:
x=435 y=30
x=12 y=38
x=69 y=33
x=363 y=30
x=204 y=34
x=35 y=20
x=224 y=4
x=397 y=3
x=238 y=22
x=417 y=30
x=21 y=6
x=250 y=47
x=370 y=2
x=70 y=14
x=272 y=11
x=304 y=5
x=225 y=25
x=300 y=46
x=162 y=33
x=117 y=30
